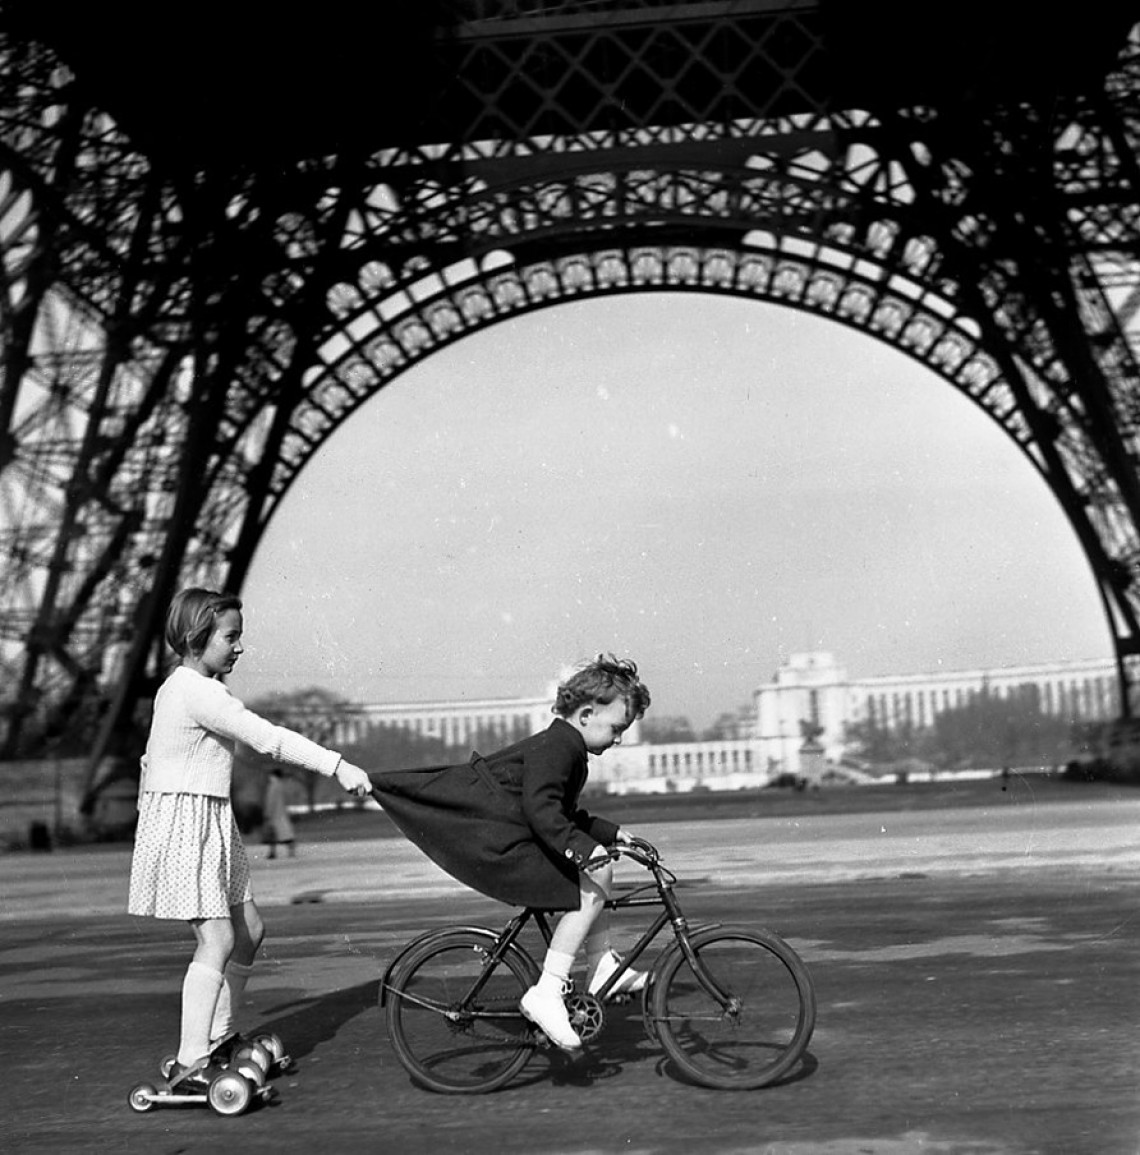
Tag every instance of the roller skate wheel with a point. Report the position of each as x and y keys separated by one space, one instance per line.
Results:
x=252 y=1071
x=272 y=1044
x=142 y=1098
x=230 y=1093
x=254 y=1052
x=167 y=1065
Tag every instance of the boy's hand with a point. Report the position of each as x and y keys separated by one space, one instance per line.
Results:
x=353 y=779
x=624 y=837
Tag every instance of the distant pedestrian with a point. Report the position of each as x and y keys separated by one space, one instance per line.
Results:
x=509 y=825
x=278 y=826
x=189 y=862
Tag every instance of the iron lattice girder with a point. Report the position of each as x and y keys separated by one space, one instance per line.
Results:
x=227 y=321
x=1061 y=408
x=428 y=72
x=452 y=70
x=569 y=71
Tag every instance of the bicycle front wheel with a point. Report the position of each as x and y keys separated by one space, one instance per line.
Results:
x=746 y=1021
x=453 y=1016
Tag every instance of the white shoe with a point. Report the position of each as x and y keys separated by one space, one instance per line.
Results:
x=547 y=1011
x=629 y=984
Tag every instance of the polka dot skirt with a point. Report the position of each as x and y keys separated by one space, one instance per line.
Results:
x=189 y=861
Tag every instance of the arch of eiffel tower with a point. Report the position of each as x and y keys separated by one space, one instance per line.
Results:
x=218 y=241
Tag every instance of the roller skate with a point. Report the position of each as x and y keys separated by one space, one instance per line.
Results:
x=261 y=1048
x=204 y=1083
x=258 y=1057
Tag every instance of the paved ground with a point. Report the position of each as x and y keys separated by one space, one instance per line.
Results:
x=977 y=975
x=1028 y=825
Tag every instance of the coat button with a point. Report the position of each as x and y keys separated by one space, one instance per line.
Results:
x=569 y=853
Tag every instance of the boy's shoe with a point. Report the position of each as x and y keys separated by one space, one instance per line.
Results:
x=547 y=1011
x=629 y=984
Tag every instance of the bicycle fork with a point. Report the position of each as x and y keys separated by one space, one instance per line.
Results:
x=673 y=914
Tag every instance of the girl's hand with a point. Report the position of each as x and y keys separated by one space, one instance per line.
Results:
x=624 y=838
x=353 y=779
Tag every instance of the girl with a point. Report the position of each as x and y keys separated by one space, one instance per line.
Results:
x=509 y=826
x=189 y=862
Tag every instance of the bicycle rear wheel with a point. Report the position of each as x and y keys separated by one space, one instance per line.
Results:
x=454 y=1020
x=757 y=1031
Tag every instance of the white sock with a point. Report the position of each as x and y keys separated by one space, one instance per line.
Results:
x=229 y=999
x=555 y=970
x=200 y=989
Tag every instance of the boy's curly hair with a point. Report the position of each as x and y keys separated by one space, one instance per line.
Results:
x=605 y=678
x=190 y=619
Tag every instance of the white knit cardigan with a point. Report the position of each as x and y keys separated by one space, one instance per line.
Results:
x=196 y=726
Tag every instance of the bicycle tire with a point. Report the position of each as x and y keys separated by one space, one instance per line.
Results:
x=448 y=1041
x=760 y=1035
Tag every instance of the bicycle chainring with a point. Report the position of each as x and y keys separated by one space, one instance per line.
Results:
x=587 y=1016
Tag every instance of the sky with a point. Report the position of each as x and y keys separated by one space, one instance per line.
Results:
x=704 y=484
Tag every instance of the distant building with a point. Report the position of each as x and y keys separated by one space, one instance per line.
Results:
x=465 y=722
x=679 y=767
x=812 y=688
x=798 y=723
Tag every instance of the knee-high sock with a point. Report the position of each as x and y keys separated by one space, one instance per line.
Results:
x=229 y=999
x=200 y=989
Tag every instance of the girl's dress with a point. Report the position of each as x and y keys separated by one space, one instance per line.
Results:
x=507 y=825
x=188 y=860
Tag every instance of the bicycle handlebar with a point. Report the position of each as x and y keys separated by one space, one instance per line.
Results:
x=642 y=852
x=639 y=846
x=646 y=855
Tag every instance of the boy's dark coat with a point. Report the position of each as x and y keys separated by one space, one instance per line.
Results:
x=507 y=825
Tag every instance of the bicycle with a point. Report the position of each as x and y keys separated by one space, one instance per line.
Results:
x=733 y=1007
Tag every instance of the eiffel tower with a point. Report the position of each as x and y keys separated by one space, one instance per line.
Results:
x=218 y=241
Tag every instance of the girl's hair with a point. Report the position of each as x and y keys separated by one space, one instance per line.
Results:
x=603 y=680
x=190 y=619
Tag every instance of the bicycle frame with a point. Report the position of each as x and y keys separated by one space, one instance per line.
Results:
x=733 y=1007
x=506 y=940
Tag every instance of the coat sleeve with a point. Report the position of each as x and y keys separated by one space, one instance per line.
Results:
x=551 y=780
